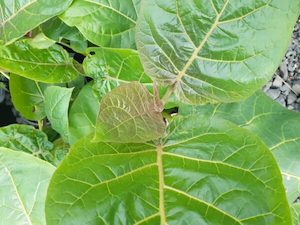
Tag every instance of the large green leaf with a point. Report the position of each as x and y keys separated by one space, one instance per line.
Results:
x=57 y=30
x=83 y=113
x=57 y=101
x=27 y=97
x=205 y=172
x=274 y=124
x=129 y=114
x=52 y=65
x=23 y=188
x=27 y=139
x=105 y=22
x=18 y=17
x=296 y=213
x=214 y=50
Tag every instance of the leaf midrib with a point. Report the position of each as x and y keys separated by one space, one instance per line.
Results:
x=203 y=42
x=18 y=196
x=162 y=213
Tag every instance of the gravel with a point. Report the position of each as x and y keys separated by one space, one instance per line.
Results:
x=284 y=87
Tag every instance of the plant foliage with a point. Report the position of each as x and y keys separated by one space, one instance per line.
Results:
x=149 y=112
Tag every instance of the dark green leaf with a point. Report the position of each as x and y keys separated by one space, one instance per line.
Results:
x=105 y=23
x=57 y=101
x=18 y=17
x=23 y=188
x=27 y=139
x=275 y=125
x=28 y=97
x=52 y=65
x=205 y=172
x=214 y=50
x=57 y=30
x=129 y=114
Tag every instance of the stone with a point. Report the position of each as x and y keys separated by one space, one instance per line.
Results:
x=296 y=87
x=281 y=100
x=273 y=93
x=291 y=98
x=277 y=82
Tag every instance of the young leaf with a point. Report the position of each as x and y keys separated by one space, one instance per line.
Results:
x=19 y=17
x=275 y=125
x=27 y=139
x=205 y=172
x=52 y=65
x=83 y=114
x=214 y=51
x=57 y=101
x=28 y=97
x=105 y=23
x=128 y=114
x=23 y=188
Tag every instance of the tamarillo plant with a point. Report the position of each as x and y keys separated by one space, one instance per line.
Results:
x=147 y=112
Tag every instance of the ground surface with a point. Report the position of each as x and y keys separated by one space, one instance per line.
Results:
x=285 y=85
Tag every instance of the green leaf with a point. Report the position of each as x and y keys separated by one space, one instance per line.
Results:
x=105 y=23
x=28 y=97
x=129 y=114
x=59 y=151
x=27 y=139
x=83 y=114
x=40 y=41
x=214 y=50
x=205 y=172
x=115 y=65
x=274 y=124
x=295 y=208
x=52 y=65
x=57 y=101
x=23 y=188
x=19 y=17
x=57 y=30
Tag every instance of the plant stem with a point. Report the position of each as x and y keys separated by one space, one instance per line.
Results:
x=4 y=74
x=168 y=94
x=40 y=123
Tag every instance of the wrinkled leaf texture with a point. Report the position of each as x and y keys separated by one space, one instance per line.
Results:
x=214 y=50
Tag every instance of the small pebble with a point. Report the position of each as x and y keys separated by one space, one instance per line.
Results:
x=277 y=83
x=291 y=98
x=273 y=93
x=281 y=100
x=296 y=88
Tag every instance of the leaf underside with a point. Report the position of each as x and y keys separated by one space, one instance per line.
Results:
x=214 y=50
